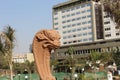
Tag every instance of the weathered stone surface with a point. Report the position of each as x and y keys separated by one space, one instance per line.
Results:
x=45 y=41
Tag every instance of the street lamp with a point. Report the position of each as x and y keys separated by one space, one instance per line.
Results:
x=71 y=73
x=75 y=75
x=26 y=74
x=26 y=77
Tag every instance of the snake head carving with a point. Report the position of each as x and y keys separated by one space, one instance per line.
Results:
x=45 y=41
x=50 y=38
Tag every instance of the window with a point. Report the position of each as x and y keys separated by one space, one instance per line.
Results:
x=63 y=22
x=88 y=10
x=69 y=36
x=83 y=11
x=55 y=13
x=56 y=24
x=79 y=40
x=63 y=11
x=68 y=20
x=79 y=35
x=74 y=30
x=74 y=35
x=83 y=17
x=56 y=28
x=108 y=22
x=68 y=10
x=64 y=32
x=84 y=34
x=79 y=18
x=64 y=26
x=84 y=28
x=73 y=19
x=106 y=29
x=64 y=42
x=64 y=37
x=74 y=41
x=88 y=4
x=106 y=16
x=69 y=31
x=107 y=35
x=63 y=16
x=89 y=27
x=72 y=9
x=78 y=24
x=90 y=33
x=68 y=15
x=82 y=6
x=56 y=18
x=89 y=16
x=70 y=42
x=83 y=22
x=77 y=13
x=85 y=39
x=68 y=26
x=72 y=14
x=89 y=21
x=90 y=39
x=79 y=29
x=73 y=25
x=77 y=7
x=117 y=34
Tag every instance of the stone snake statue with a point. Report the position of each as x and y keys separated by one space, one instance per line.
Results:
x=43 y=42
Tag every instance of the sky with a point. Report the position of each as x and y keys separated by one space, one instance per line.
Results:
x=27 y=17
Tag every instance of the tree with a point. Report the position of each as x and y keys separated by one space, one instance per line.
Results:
x=116 y=56
x=112 y=7
x=30 y=67
x=7 y=38
x=71 y=60
x=98 y=58
x=53 y=64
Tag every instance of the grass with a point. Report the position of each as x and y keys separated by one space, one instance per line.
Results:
x=60 y=76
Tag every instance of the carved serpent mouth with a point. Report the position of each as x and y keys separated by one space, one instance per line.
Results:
x=52 y=44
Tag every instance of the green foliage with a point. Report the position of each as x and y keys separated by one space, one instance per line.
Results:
x=30 y=66
x=95 y=56
x=81 y=76
x=70 y=51
x=53 y=62
x=112 y=7
x=7 y=44
x=70 y=59
x=116 y=57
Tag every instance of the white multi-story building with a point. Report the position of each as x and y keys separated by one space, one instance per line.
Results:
x=83 y=22
x=85 y=26
x=21 y=58
x=111 y=31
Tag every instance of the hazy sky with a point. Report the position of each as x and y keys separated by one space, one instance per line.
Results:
x=26 y=17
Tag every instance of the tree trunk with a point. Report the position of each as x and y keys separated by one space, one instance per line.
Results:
x=11 y=72
x=72 y=73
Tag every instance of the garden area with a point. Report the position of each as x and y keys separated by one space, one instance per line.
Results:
x=61 y=76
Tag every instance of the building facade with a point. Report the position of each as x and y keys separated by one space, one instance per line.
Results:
x=85 y=26
x=21 y=58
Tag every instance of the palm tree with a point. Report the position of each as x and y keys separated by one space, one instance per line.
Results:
x=71 y=60
x=7 y=44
